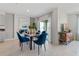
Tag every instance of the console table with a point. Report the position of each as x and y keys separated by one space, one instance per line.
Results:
x=62 y=37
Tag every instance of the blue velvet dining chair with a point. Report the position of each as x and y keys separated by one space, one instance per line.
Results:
x=22 y=40
x=41 y=40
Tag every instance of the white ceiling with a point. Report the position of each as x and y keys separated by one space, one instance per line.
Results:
x=35 y=9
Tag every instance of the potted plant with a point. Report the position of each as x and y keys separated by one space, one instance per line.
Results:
x=32 y=28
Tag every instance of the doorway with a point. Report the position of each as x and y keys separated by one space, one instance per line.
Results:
x=45 y=25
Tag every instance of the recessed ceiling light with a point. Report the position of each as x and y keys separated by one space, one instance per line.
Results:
x=28 y=10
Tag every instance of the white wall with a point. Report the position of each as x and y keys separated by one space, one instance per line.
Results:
x=72 y=20
x=62 y=17
x=17 y=24
x=9 y=25
x=37 y=23
x=7 y=21
x=54 y=27
x=2 y=22
x=2 y=19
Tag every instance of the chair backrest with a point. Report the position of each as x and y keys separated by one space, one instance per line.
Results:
x=42 y=38
x=19 y=37
x=21 y=31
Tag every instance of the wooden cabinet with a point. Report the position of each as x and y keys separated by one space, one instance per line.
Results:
x=65 y=37
x=62 y=37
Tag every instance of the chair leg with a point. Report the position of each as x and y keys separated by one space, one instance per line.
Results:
x=38 y=50
x=34 y=46
x=21 y=46
x=27 y=43
x=44 y=47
